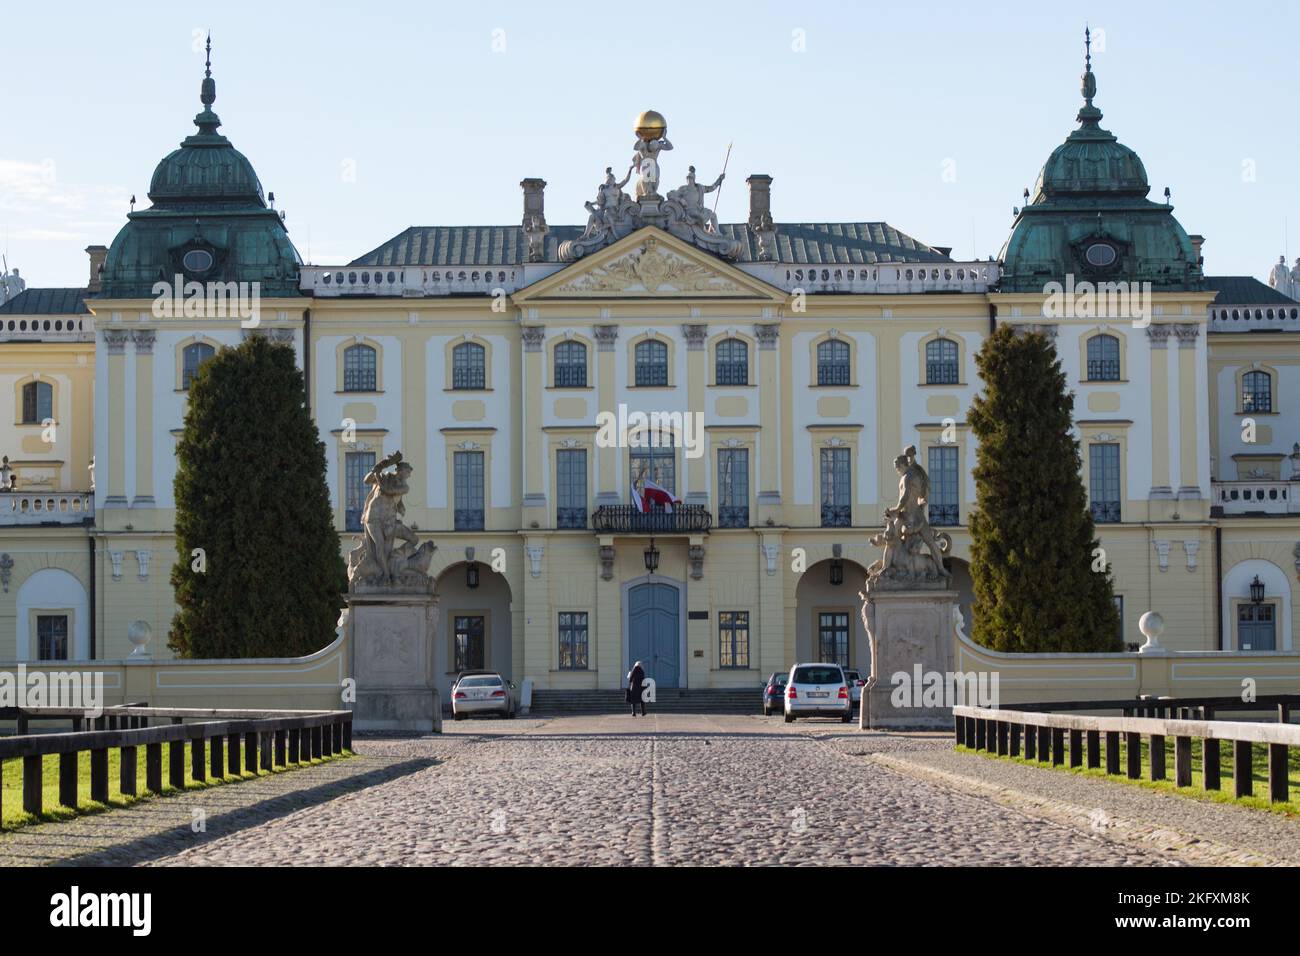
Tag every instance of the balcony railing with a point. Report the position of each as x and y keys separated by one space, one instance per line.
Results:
x=46 y=507
x=626 y=519
x=1257 y=496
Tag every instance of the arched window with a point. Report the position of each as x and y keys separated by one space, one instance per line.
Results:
x=192 y=356
x=833 y=362
x=651 y=363
x=359 y=369
x=731 y=363
x=1103 y=358
x=38 y=402
x=941 y=362
x=570 y=365
x=468 y=366
x=1257 y=392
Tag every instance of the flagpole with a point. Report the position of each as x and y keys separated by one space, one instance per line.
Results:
x=718 y=196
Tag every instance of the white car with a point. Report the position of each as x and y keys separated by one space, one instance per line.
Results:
x=817 y=690
x=482 y=692
x=856 y=684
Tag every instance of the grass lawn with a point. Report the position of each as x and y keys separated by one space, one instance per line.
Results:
x=13 y=815
x=1259 y=762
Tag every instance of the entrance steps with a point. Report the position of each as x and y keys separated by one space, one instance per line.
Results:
x=668 y=700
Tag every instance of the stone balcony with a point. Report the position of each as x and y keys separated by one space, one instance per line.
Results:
x=39 y=508
x=627 y=519
x=1254 y=497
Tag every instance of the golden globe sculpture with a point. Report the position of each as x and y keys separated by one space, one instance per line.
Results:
x=651 y=125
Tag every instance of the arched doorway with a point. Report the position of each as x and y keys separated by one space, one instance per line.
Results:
x=474 y=624
x=654 y=628
x=828 y=620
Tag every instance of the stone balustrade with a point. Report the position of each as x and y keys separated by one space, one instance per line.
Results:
x=46 y=507
x=80 y=329
x=1257 y=496
x=409 y=281
x=1251 y=318
x=891 y=278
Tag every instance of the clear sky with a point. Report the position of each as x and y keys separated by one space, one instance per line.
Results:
x=365 y=118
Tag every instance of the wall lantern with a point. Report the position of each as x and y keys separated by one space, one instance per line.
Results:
x=1257 y=591
x=471 y=569
x=652 y=557
x=837 y=571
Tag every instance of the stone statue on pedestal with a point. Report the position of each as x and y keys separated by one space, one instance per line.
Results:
x=907 y=527
x=389 y=555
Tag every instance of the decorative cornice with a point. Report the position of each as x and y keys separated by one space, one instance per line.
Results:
x=533 y=337
x=1158 y=335
x=143 y=339
x=695 y=336
x=115 y=339
x=1188 y=334
x=606 y=336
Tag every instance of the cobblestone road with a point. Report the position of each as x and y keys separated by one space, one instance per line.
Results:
x=662 y=790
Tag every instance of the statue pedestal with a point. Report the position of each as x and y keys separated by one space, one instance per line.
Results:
x=391 y=636
x=913 y=634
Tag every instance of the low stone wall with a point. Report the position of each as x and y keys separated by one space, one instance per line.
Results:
x=1048 y=677
x=313 y=682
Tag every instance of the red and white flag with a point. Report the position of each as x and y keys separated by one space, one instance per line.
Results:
x=637 y=499
x=656 y=494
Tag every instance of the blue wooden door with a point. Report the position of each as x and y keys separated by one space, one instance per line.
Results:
x=654 y=622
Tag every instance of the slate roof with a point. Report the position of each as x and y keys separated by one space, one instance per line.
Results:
x=797 y=243
x=47 y=302
x=1244 y=290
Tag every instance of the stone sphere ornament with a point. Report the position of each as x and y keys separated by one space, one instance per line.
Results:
x=1152 y=625
x=139 y=633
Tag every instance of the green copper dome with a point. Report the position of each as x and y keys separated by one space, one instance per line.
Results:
x=1090 y=217
x=209 y=221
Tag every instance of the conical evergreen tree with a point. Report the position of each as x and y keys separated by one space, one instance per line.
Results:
x=251 y=493
x=1033 y=544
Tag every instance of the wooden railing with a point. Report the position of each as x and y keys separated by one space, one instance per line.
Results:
x=241 y=739
x=1041 y=736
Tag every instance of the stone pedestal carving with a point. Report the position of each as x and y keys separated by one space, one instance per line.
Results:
x=908 y=612
x=392 y=641
x=392 y=612
x=911 y=636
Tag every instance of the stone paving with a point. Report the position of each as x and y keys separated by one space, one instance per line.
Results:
x=661 y=790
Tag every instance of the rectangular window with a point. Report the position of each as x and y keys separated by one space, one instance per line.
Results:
x=38 y=402
x=52 y=637
x=837 y=509
x=467 y=469
x=573 y=640
x=357 y=465
x=1256 y=627
x=1103 y=463
x=651 y=361
x=943 y=498
x=733 y=639
x=733 y=488
x=833 y=638
x=469 y=643
x=571 y=488
x=655 y=457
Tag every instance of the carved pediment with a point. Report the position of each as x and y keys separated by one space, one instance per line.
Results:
x=650 y=263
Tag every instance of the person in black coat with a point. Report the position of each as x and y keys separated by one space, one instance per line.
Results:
x=635 y=685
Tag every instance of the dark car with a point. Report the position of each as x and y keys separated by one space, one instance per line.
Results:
x=774 y=693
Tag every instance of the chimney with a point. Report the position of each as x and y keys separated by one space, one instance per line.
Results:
x=97 y=256
x=760 y=214
x=1197 y=242
x=534 y=220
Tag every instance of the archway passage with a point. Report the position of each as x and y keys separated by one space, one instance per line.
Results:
x=474 y=624
x=828 y=620
x=654 y=631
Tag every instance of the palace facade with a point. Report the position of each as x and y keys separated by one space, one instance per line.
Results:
x=783 y=366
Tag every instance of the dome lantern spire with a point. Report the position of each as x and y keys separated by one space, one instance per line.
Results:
x=208 y=121
x=1089 y=115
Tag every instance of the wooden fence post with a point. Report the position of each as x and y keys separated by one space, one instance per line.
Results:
x=68 y=779
x=127 y=771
